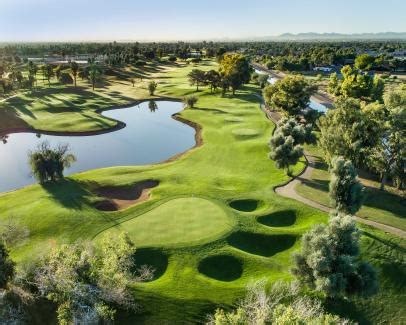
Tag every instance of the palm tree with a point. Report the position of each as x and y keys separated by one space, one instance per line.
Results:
x=49 y=72
x=95 y=73
x=74 y=68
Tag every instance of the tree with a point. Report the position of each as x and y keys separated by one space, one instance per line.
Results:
x=388 y=157
x=283 y=304
x=213 y=78
x=291 y=94
x=190 y=101
x=346 y=192
x=357 y=84
x=329 y=260
x=284 y=152
x=334 y=85
x=32 y=72
x=58 y=71
x=152 y=85
x=301 y=134
x=235 y=69
x=7 y=267
x=48 y=164
x=48 y=73
x=87 y=284
x=197 y=77
x=350 y=130
x=263 y=80
x=74 y=69
x=95 y=74
x=377 y=89
x=364 y=62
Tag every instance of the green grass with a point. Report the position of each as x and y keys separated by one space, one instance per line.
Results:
x=382 y=206
x=216 y=200
x=221 y=267
x=185 y=226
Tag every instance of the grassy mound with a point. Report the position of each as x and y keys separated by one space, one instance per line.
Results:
x=247 y=205
x=245 y=133
x=221 y=267
x=177 y=222
x=154 y=258
x=282 y=218
x=260 y=244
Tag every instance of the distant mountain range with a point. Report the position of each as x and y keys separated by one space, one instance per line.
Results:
x=335 y=36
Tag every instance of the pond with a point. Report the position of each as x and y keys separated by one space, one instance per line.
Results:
x=151 y=135
x=313 y=104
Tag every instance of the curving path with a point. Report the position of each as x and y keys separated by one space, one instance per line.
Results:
x=288 y=189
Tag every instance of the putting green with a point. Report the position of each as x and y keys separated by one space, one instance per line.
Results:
x=178 y=222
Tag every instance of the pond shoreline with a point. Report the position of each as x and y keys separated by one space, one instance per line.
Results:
x=118 y=126
x=198 y=140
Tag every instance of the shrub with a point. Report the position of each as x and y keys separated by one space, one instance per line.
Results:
x=152 y=87
x=7 y=267
x=190 y=101
x=172 y=58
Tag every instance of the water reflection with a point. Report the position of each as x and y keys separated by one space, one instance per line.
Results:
x=151 y=135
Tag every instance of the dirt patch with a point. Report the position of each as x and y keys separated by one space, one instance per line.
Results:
x=121 y=197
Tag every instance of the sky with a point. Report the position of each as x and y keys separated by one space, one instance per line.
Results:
x=168 y=20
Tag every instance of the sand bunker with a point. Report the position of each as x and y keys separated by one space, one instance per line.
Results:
x=121 y=197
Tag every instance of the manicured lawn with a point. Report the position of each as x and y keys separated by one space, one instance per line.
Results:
x=386 y=207
x=213 y=223
x=177 y=222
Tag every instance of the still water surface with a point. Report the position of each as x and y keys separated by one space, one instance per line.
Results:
x=151 y=135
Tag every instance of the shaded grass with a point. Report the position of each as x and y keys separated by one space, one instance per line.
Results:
x=221 y=267
x=261 y=244
x=381 y=206
x=282 y=218
x=245 y=205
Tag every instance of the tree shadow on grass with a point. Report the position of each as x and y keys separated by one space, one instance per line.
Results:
x=347 y=309
x=214 y=110
x=69 y=193
x=317 y=184
x=385 y=201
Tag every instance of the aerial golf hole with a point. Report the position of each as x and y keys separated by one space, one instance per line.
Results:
x=282 y=218
x=261 y=244
x=245 y=205
x=221 y=267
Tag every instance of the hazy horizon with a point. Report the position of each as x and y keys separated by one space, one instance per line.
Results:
x=125 y=20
